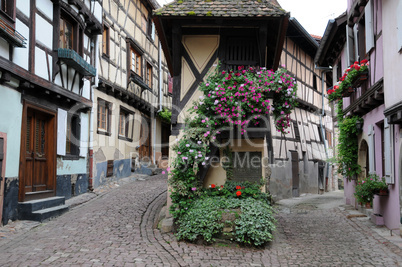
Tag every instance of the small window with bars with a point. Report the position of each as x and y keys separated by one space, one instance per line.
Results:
x=297 y=133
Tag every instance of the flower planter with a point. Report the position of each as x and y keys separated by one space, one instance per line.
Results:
x=348 y=91
x=383 y=192
x=368 y=205
x=377 y=219
x=360 y=79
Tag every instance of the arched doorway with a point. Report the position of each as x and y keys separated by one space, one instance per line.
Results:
x=363 y=159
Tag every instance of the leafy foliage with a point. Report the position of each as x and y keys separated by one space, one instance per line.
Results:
x=365 y=189
x=165 y=115
x=253 y=226
x=349 y=77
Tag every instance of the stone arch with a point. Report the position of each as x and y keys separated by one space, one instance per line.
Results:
x=363 y=159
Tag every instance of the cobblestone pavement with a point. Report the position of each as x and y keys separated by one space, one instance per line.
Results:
x=117 y=229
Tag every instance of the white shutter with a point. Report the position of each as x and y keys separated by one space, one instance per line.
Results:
x=371 y=145
x=350 y=46
x=369 y=25
x=334 y=72
x=61 y=131
x=388 y=155
x=153 y=31
x=356 y=40
x=84 y=135
x=399 y=26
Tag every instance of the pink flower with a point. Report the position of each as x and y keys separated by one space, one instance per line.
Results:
x=163 y=172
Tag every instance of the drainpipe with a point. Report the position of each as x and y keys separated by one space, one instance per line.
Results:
x=324 y=70
x=160 y=97
x=91 y=117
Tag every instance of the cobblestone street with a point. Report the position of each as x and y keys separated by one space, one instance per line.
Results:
x=116 y=229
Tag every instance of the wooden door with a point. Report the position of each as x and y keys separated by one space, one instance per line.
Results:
x=38 y=155
x=145 y=139
x=295 y=173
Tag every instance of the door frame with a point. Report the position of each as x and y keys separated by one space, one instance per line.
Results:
x=51 y=158
x=147 y=120
x=3 y=174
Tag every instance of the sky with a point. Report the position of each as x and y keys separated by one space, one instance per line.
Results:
x=313 y=15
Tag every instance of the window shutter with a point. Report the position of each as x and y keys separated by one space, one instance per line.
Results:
x=399 y=26
x=152 y=31
x=356 y=40
x=388 y=149
x=371 y=144
x=350 y=46
x=368 y=11
x=61 y=131
x=84 y=142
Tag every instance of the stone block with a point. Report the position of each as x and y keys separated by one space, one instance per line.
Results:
x=167 y=225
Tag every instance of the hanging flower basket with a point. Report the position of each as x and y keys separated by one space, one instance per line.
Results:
x=348 y=91
x=360 y=78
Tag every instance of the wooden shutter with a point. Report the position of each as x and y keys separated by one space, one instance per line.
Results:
x=371 y=144
x=388 y=155
x=369 y=26
x=350 y=46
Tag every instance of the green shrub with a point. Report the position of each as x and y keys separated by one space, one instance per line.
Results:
x=256 y=222
x=254 y=225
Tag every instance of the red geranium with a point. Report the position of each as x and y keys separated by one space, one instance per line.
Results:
x=238 y=193
x=213 y=185
x=238 y=187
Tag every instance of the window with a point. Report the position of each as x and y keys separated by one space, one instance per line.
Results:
x=136 y=61
x=71 y=35
x=126 y=120
x=73 y=135
x=149 y=75
x=8 y=7
x=106 y=41
x=66 y=34
x=104 y=117
x=297 y=133
x=329 y=138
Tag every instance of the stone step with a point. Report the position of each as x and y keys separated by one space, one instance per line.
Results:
x=39 y=204
x=45 y=214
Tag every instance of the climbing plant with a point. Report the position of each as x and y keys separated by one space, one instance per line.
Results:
x=237 y=98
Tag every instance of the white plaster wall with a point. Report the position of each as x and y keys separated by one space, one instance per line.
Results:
x=24 y=7
x=44 y=32
x=10 y=123
x=46 y=6
x=20 y=55
x=41 y=63
x=4 y=48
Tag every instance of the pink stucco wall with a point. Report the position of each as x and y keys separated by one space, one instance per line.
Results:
x=349 y=190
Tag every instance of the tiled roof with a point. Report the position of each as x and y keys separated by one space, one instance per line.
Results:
x=221 y=8
x=316 y=37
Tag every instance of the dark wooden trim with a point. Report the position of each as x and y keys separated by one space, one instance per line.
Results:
x=32 y=38
x=282 y=35
x=176 y=47
x=35 y=81
x=199 y=77
x=263 y=35
x=56 y=29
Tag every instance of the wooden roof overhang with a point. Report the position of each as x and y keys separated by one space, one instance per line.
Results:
x=275 y=32
x=332 y=42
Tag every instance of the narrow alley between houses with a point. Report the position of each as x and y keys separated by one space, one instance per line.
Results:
x=117 y=228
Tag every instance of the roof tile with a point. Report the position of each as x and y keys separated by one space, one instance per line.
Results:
x=221 y=8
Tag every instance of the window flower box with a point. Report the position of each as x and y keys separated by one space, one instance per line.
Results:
x=74 y=60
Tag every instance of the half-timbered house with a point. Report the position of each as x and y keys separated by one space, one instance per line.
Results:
x=304 y=151
x=196 y=35
x=47 y=66
x=132 y=89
